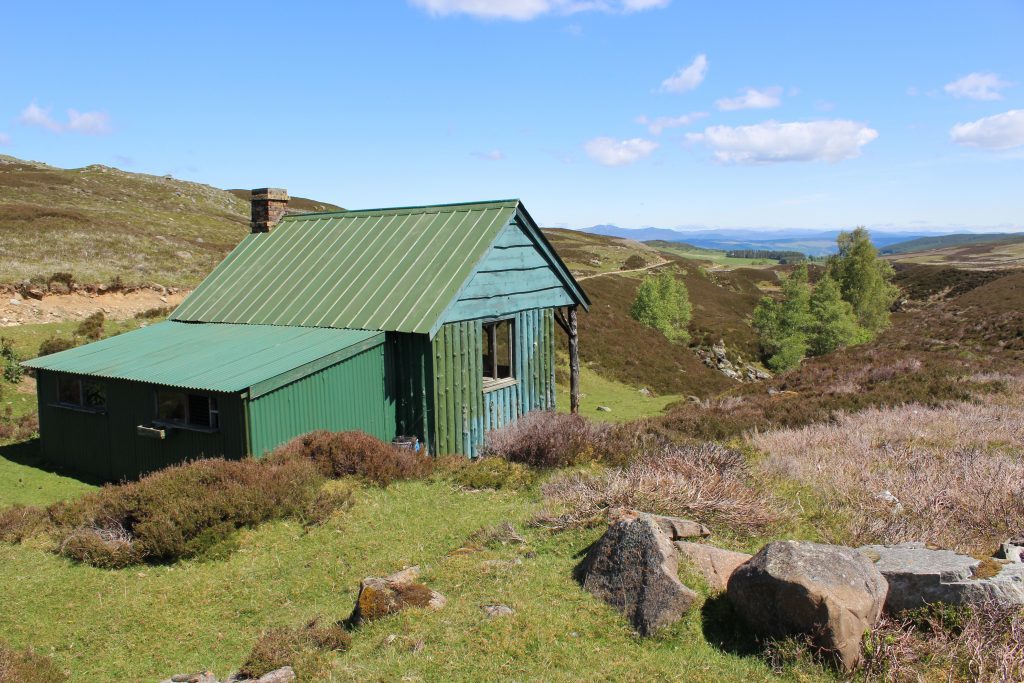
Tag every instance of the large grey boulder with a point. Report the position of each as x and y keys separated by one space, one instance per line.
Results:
x=829 y=593
x=634 y=568
x=715 y=564
x=919 y=575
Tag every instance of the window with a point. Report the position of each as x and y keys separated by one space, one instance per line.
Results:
x=193 y=410
x=81 y=392
x=499 y=349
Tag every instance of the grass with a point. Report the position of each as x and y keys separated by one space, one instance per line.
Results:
x=626 y=402
x=714 y=256
x=587 y=254
x=145 y=624
x=24 y=482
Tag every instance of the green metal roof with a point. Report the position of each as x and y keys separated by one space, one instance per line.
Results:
x=377 y=269
x=211 y=356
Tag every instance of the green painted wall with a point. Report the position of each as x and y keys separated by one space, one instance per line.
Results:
x=463 y=411
x=105 y=446
x=513 y=276
x=347 y=395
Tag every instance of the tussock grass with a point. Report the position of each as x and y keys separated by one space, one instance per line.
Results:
x=953 y=476
x=27 y=666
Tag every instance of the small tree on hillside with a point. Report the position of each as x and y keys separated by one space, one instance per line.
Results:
x=864 y=279
x=662 y=302
x=833 y=323
x=785 y=325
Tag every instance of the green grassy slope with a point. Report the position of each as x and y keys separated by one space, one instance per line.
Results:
x=99 y=223
x=944 y=241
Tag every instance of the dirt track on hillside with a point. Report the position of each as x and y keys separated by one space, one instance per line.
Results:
x=18 y=310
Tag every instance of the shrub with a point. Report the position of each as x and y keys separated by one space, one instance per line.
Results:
x=26 y=666
x=153 y=313
x=91 y=327
x=491 y=473
x=9 y=367
x=340 y=454
x=663 y=303
x=707 y=482
x=983 y=643
x=55 y=345
x=550 y=439
x=302 y=648
x=18 y=429
x=182 y=511
x=634 y=262
x=18 y=522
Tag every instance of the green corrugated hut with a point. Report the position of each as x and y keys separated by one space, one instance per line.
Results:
x=434 y=322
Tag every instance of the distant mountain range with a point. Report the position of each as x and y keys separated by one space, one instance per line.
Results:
x=811 y=242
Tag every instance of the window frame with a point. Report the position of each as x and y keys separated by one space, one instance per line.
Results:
x=81 y=405
x=212 y=408
x=489 y=333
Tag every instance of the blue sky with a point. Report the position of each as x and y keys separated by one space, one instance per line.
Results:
x=633 y=112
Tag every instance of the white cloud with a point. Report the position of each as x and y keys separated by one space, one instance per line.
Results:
x=688 y=77
x=611 y=152
x=34 y=115
x=752 y=99
x=977 y=86
x=5 y=139
x=998 y=132
x=772 y=142
x=87 y=122
x=525 y=10
x=493 y=155
x=660 y=124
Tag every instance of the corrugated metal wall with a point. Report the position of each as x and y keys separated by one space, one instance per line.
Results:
x=105 y=446
x=348 y=395
x=463 y=412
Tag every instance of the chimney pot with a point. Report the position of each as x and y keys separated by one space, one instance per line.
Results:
x=268 y=208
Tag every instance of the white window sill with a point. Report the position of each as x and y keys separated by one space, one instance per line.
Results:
x=170 y=424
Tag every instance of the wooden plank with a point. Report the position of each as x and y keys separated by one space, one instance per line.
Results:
x=490 y=284
x=574 y=362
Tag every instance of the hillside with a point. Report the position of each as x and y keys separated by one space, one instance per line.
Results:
x=943 y=241
x=100 y=223
x=975 y=252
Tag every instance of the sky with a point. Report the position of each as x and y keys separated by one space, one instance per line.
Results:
x=668 y=113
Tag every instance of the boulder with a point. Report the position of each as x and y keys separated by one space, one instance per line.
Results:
x=715 y=564
x=634 y=568
x=283 y=675
x=676 y=528
x=381 y=596
x=829 y=593
x=919 y=575
x=495 y=611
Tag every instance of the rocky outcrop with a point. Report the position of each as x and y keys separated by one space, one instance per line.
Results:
x=380 y=596
x=828 y=593
x=919 y=575
x=717 y=358
x=714 y=564
x=634 y=568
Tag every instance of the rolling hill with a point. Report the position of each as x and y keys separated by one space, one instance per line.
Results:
x=99 y=223
x=956 y=240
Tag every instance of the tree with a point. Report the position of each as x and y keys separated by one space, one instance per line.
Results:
x=864 y=279
x=662 y=302
x=785 y=325
x=833 y=322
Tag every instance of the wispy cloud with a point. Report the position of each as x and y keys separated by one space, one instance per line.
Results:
x=493 y=155
x=86 y=123
x=752 y=99
x=687 y=78
x=999 y=132
x=978 y=86
x=774 y=142
x=525 y=10
x=659 y=125
x=611 y=152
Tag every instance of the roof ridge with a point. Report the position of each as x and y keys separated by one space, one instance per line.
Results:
x=489 y=202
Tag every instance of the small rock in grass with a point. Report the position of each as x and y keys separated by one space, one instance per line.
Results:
x=604 y=409
x=495 y=611
x=381 y=596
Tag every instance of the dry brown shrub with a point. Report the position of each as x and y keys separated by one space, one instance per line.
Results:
x=983 y=644
x=18 y=522
x=707 y=482
x=26 y=666
x=952 y=476
x=339 y=454
x=303 y=648
x=550 y=439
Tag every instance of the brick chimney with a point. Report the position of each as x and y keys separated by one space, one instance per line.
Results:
x=268 y=207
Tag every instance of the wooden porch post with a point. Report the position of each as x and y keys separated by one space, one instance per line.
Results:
x=574 y=363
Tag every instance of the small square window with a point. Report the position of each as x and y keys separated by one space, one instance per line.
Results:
x=81 y=392
x=171 y=405
x=94 y=395
x=194 y=410
x=69 y=390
